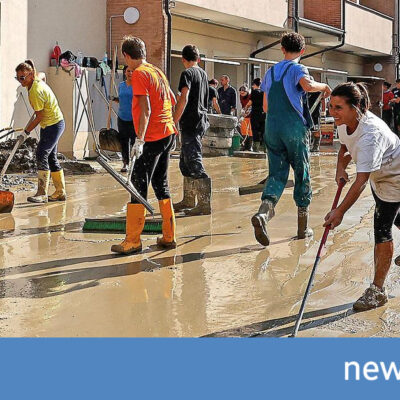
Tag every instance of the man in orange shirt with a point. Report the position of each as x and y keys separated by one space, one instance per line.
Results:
x=152 y=116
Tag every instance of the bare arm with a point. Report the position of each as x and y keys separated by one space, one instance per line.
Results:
x=265 y=103
x=343 y=161
x=181 y=104
x=216 y=105
x=145 y=112
x=335 y=217
x=248 y=105
x=38 y=117
x=173 y=98
x=310 y=85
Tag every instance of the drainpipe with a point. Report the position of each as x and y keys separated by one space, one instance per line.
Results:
x=343 y=35
x=169 y=38
x=268 y=46
x=296 y=29
x=110 y=35
x=296 y=16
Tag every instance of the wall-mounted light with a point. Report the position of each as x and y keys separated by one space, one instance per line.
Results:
x=131 y=15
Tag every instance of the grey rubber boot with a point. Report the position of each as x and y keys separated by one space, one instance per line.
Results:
x=203 y=192
x=189 y=195
x=303 y=230
x=259 y=222
x=373 y=297
x=316 y=141
x=43 y=188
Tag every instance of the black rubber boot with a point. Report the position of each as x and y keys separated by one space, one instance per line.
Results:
x=249 y=146
x=303 y=231
x=259 y=222
x=316 y=141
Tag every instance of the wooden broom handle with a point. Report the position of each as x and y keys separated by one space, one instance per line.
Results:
x=112 y=79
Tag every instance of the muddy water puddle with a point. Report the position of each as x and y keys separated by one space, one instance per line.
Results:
x=57 y=281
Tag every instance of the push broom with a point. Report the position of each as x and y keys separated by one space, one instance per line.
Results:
x=321 y=246
x=114 y=225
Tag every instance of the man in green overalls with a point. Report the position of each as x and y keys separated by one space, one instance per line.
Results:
x=286 y=135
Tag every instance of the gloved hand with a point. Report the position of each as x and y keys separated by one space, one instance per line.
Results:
x=23 y=135
x=137 y=149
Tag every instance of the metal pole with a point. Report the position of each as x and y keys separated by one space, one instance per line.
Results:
x=322 y=244
x=110 y=33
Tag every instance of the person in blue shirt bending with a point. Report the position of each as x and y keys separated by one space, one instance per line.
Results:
x=126 y=129
x=286 y=135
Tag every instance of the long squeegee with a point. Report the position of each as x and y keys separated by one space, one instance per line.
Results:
x=122 y=181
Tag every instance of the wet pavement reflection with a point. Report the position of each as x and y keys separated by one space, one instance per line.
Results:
x=57 y=281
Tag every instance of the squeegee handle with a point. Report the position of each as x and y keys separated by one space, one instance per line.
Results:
x=342 y=182
x=317 y=259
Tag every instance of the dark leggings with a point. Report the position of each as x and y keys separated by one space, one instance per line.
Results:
x=191 y=159
x=126 y=136
x=257 y=127
x=152 y=166
x=46 y=153
x=386 y=215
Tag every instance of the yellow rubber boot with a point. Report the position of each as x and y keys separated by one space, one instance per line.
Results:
x=59 y=184
x=135 y=217
x=168 y=240
x=43 y=187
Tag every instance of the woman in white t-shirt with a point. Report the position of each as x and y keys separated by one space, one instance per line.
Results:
x=375 y=149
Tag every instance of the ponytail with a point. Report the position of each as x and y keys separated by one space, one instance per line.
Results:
x=365 y=102
x=27 y=65
x=356 y=94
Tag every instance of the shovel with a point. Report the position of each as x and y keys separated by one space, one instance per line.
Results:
x=108 y=137
x=6 y=196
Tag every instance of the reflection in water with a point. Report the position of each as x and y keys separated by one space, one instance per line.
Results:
x=55 y=280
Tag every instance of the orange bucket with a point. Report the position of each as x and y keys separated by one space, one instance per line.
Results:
x=6 y=201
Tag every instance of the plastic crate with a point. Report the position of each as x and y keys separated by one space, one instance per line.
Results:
x=327 y=134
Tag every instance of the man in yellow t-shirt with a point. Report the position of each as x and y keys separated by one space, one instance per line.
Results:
x=51 y=120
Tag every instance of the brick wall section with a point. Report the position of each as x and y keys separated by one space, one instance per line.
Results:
x=326 y=12
x=151 y=28
x=386 y=7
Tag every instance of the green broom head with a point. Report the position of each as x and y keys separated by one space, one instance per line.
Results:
x=151 y=226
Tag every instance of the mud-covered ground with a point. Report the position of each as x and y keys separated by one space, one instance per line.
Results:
x=57 y=281
x=24 y=160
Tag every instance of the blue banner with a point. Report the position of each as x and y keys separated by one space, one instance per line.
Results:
x=203 y=369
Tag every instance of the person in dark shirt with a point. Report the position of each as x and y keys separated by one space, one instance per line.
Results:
x=213 y=106
x=396 y=107
x=191 y=113
x=257 y=116
x=227 y=96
